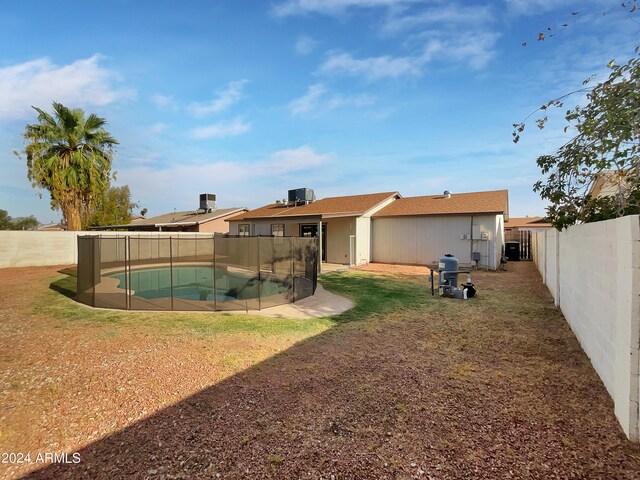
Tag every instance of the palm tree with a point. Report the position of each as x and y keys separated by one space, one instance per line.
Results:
x=70 y=156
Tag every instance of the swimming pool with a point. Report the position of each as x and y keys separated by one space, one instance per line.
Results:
x=197 y=283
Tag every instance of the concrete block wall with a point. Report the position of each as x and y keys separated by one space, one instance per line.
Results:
x=32 y=249
x=593 y=273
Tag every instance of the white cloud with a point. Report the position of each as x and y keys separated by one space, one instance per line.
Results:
x=226 y=97
x=451 y=15
x=317 y=101
x=373 y=68
x=535 y=7
x=222 y=129
x=331 y=7
x=180 y=182
x=82 y=83
x=473 y=49
x=305 y=45
x=295 y=159
x=529 y=7
x=309 y=101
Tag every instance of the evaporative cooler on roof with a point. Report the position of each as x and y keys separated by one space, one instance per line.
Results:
x=207 y=201
x=301 y=196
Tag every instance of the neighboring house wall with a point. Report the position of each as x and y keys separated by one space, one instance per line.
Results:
x=500 y=238
x=214 y=226
x=422 y=240
x=593 y=273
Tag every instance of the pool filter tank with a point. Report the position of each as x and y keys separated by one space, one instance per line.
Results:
x=448 y=263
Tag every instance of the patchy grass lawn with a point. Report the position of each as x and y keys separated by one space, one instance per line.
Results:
x=403 y=385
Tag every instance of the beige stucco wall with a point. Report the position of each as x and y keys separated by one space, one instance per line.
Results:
x=214 y=226
x=422 y=240
x=593 y=273
x=338 y=232
x=29 y=249
x=363 y=240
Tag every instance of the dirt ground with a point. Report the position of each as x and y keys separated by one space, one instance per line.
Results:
x=394 y=268
x=494 y=387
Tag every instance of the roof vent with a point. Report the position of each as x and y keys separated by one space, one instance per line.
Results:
x=207 y=202
x=301 y=196
x=447 y=194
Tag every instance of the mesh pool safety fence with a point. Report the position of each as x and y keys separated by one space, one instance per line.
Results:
x=209 y=273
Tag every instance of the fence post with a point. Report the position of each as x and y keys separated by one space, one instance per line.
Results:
x=127 y=271
x=558 y=269
x=259 y=278
x=215 y=293
x=170 y=267
x=292 y=251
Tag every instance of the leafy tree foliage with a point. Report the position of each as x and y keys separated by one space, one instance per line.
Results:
x=605 y=148
x=70 y=155
x=23 y=223
x=113 y=208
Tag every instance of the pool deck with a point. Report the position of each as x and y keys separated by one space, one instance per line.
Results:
x=321 y=304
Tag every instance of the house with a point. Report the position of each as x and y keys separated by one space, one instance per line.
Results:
x=207 y=218
x=614 y=183
x=419 y=230
x=525 y=224
x=342 y=223
x=385 y=227
x=52 y=227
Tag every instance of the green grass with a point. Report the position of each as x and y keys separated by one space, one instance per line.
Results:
x=375 y=296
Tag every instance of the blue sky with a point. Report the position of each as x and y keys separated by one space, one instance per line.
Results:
x=247 y=99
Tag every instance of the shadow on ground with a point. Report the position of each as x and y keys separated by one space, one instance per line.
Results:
x=496 y=387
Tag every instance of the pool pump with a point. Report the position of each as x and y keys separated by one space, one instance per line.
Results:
x=448 y=271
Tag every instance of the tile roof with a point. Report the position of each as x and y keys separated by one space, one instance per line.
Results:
x=190 y=217
x=348 y=205
x=496 y=201
x=537 y=222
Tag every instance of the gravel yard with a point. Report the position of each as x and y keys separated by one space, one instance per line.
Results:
x=404 y=385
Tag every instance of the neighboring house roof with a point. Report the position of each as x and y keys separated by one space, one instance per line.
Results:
x=612 y=183
x=527 y=222
x=52 y=227
x=177 y=219
x=496 y=201
x=352 y=205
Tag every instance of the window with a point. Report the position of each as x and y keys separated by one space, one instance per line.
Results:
x=277 y=230
x=244 y=230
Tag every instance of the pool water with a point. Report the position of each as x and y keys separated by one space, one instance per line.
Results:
x=196 y=283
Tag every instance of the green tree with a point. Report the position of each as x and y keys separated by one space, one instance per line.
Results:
x=23 y=223
x=606 y=145
x=5 y=220
x=70 y=155
x=113 y=208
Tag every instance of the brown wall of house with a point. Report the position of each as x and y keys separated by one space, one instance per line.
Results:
x=214 y=226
